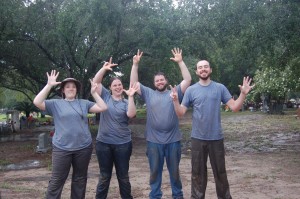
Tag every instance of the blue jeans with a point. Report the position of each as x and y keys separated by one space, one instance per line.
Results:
x=156 y=154
x=109 y=155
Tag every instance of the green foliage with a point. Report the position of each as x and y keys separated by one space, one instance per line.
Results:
x=275 y=81
x=2 y=117
x=26 y=107
x=141 y=113
x=238 y=38
x=94 y=130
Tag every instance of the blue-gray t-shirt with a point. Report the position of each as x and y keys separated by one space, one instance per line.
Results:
x=206 y=101
x=113 y=126
x=162 y=124
x=71 y=123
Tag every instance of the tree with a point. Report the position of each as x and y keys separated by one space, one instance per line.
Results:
x=75 y=37
x=27 y=107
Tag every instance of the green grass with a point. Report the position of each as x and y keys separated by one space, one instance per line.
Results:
x=94 y=130
x=4 y=162
x=186 y=130
x=141 y=113
x=2 y=117
x=6 y=185
x=28 y=147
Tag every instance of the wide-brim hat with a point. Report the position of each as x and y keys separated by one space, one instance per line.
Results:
x=70 y=79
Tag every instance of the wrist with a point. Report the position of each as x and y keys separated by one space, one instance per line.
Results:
x=49 y=85
x=243 y=94
x=180 y=62
x=94 y=94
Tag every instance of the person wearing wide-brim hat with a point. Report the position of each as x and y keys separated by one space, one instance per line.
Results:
x=72 y=141
x=66 y=80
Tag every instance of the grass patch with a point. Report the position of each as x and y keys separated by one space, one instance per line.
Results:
x=141 y=113
x=27 y=147
x=250 y=176
x=186 y=130
x=4 y=162
x=6 y=185
x=94 y=130
x=2 y=117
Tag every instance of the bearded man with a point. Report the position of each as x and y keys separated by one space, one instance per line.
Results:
x=162 y=126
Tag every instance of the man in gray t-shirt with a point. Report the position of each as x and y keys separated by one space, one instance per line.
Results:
x=207 y=137
x=162 y=126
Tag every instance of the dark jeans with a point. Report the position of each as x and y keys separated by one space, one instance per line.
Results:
x=201 y=149
x=109 y=155
x=61 y=164
x=156 y=154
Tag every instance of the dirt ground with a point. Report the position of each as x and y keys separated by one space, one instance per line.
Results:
x=261 y=164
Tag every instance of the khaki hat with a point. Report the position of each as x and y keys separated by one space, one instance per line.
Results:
x=70 y=79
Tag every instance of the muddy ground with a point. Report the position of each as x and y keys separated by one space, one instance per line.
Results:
x=262 y=160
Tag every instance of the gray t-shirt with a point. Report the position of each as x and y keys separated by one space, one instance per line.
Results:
x=162 y=124
x=71 y=123
x=113 y=126
x=206 y=101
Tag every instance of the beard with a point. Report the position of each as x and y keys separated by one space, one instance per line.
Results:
x=204 y=78
x=162 y=89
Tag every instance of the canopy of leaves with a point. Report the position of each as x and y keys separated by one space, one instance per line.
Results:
x=75 y=37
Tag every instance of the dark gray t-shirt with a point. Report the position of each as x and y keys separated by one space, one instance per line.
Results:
x=71 y=123
x=162 y=124
x=113 y=126
x=206 y=101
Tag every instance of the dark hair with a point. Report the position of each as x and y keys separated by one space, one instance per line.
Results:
x=201 y=60
x=113 y=79
x=160 y=73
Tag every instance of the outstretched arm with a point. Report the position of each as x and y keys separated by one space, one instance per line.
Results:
x=39 y=100
x=134 y=70
x=235 y=105
x=100 y=105
x=107 y=66
x=131 y=105
x=187 y=79
x=179 y=108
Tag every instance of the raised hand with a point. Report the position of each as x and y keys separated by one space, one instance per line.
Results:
x=136 y=58
x=108 y=65
x=245 y=88
x=132 y=90
x=94 y=86
x=177 y=53
x=174 y=93
x=52 y=78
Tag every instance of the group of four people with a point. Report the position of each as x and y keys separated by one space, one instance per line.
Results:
x=72 y=142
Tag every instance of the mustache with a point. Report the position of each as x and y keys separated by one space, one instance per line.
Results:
x=204 y=72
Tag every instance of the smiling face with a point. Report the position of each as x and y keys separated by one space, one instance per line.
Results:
x=160 y=82
x=203 y=70
x=70 y=90
x=116 y=88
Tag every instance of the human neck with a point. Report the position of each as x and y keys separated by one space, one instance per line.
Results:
x=117 y=97
x=204 y=82
x=69 y=99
